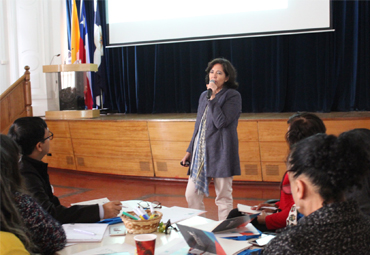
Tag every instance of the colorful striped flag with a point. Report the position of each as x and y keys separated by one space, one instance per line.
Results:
x=85 y=54
x=99 y=58
x=75 y=34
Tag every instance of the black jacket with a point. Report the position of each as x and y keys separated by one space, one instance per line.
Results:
x=35 y=174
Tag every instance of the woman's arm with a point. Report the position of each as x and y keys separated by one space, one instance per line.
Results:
x=226 y=113
x=44 y=230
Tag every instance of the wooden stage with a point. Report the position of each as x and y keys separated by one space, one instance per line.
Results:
x=152 y=145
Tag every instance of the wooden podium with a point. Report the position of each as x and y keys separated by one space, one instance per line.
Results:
x=67 y=101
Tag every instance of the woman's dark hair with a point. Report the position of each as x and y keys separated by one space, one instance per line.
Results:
x=11 y=182
x=229 y=70
x=27 y=132
x=333 y=164
x=302 y=125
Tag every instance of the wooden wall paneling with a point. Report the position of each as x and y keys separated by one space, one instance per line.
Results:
x=61 y=148
x=60 y=160
x=249 y=171
x=273 y=130
x=336 y=127
x=108 y=130
x=17 y=102
x=274 y=151
x=247 y=130
x=170 y=169
x=59 y=128
x=249 y=151
x=177 y=131
x=162 y=150
x=133 y=150
x=115 y=165
x=5 y=118
x=273 y=171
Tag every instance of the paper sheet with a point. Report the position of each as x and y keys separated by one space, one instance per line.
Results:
x=93 y=202
x=248 y=209
x=73 y=236
x=176 y=213
x=111 y=249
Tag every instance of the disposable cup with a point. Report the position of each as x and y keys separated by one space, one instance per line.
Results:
x=145 y=244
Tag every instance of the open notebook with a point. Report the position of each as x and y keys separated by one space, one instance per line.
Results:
x=84 y=232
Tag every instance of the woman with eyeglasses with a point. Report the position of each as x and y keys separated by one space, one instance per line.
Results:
x=321 y=169
x=301 y=125
x=20 y=214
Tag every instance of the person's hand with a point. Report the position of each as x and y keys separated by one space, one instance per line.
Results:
x=212 y=85
x=262 y=218
x=185 y=158
x=259 y=207
x=111 y=209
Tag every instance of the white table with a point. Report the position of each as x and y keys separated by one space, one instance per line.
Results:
x=162 y=239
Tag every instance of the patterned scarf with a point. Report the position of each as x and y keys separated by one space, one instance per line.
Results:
x=199 y=165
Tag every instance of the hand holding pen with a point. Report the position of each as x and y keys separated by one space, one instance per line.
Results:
x=112 y=209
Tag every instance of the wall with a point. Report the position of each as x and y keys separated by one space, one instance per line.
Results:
x=31 y=33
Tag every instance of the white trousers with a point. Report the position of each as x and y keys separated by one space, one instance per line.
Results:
x=224 y=196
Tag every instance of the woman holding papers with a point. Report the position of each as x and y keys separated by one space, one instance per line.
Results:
x=322 y=168
x=301 y=125
x=213 y=150
x=39 y=232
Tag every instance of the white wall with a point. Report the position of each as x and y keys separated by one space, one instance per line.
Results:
x=32 y=32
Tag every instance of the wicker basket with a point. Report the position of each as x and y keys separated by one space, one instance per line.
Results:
x=141 y=226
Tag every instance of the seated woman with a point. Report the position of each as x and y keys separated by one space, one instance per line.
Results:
x=13 y=238
x=301 y=125
x=322 y=168
x=46 y=235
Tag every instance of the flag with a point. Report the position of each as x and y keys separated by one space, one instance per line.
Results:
x=99 y=58
x=85 y=54
x=75 y=33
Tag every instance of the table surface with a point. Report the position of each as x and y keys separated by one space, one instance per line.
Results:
x=162 y=239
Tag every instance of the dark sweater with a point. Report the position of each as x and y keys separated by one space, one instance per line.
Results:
x=44 y=231
x=36 y=177
x=337 y=228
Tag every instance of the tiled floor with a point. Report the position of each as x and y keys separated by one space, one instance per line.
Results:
x=73 y=187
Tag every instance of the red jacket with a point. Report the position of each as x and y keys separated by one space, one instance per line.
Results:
x=278 y=220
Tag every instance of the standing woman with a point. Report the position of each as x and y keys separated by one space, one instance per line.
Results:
x=213 y=152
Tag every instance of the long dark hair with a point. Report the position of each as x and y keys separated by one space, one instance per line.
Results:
x=11 y=182
x=229 y=70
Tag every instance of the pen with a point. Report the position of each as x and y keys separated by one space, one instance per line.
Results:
x=151 y=208
x=84 y=231
x=129 y=215
x=138 y=213
x=143 y=213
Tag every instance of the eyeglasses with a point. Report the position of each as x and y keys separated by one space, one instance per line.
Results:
x=146 y=205
x=166 y=229
x=50 y=137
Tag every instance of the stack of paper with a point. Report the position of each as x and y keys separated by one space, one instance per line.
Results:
x=84 y=232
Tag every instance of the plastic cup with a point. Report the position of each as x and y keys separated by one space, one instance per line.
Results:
x=145 y=244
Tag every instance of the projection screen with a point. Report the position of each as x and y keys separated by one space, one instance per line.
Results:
x=140 y=22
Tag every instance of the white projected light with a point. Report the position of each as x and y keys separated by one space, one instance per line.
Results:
x=162 y=21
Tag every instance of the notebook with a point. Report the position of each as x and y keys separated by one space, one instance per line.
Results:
x=84 y=232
